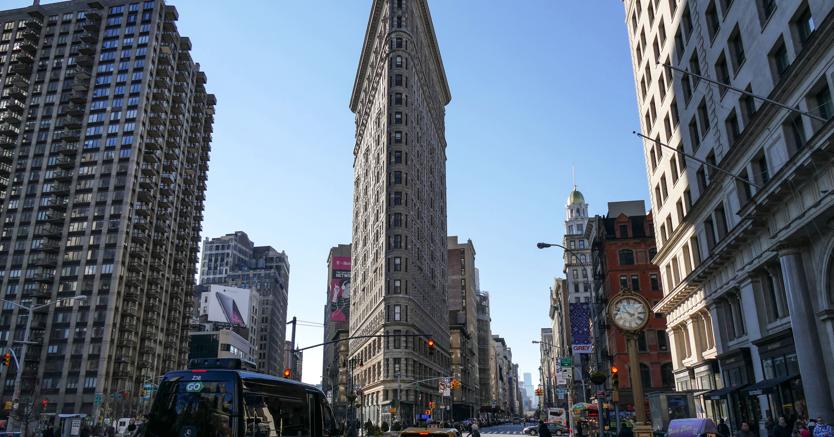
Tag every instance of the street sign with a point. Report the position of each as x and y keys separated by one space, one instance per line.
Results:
x=99 y=398
x=566 y=361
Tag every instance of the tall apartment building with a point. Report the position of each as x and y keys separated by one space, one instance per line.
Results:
x=486 y=351
x=580 y=300
x=336 y=326
x=399 y=210
x=623 y=245
x=463 y=328
x=105 y=132
x=746 y=253
x=235 y=261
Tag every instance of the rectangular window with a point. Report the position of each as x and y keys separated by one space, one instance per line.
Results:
x=711 y=16
x=736 y=46
x=662 y=341
x=654 y=281
x=703 y=118
x=803 y=26
x=722 y=72
x=623 y=282
x=733 y=131
x=635 y=283
x=779 y=61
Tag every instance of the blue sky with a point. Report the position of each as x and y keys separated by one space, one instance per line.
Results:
x=538 y=86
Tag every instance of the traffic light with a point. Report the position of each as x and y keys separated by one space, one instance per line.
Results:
x=539 y=392
x=455 y=384
x=287 y=373
x=430 y=344
x=7 y=359
x=431 y=405
x=44 y=402
x=615 y=377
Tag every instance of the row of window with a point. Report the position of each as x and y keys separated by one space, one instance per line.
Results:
x=633 y=282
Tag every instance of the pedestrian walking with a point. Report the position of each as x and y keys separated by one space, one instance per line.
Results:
x=544 y=431
x=744 y=430
x=823 y=429
x=782 y=429
x=804 y=431
x=723 y=429
x=474 y=430
x=625 y=431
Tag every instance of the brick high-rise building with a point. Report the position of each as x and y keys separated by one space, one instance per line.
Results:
x=105 y=130
x=399 y=211
x=622 y=246
x=463 y=328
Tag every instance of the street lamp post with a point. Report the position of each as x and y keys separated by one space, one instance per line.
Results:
x=21 y=361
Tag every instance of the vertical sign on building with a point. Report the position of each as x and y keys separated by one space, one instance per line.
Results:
x=580 y=328
x=340 y=288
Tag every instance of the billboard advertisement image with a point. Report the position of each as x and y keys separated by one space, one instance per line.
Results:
x=227 y=305
x=339 y=288
x=580 y=327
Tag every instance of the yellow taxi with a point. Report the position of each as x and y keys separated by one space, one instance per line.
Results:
x=429 y=432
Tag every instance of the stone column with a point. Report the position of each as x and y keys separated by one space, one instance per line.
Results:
x=673 y=348
x=716 y=328
x=747 y=293
x=693 y=340
x=805 y=336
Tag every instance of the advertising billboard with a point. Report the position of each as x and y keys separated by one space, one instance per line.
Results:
x=580 y=327
x=226 y=305
x=339 y=288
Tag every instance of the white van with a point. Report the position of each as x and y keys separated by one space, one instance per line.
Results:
x=121 y=426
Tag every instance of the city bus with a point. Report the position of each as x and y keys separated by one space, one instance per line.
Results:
x=557 y=415
x=218 y=397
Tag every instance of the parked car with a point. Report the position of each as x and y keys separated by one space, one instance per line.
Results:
x=555 y=429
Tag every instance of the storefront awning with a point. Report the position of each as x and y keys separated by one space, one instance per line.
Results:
x=768 y=385
x=717 y=394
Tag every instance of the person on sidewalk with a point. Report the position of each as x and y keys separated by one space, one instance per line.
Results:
x=544 y=431
x=723 y=429
x=744 y=430
x=823 y=429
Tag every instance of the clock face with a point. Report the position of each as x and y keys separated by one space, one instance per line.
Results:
x=629 y=314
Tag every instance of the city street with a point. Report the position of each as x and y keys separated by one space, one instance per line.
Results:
x=507 y=428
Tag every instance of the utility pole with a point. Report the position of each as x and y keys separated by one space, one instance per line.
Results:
x=291 y=364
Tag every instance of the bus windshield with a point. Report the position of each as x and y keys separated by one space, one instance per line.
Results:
x=193 y=408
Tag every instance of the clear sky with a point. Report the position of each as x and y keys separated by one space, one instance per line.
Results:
x=538 y=86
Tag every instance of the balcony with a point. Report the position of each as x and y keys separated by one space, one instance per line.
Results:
x=71 y=135
x=91 y=26
x=51 y=246
x=65 y=162
x=84 y=60
x=34 y=25
x=129 y=326
x=79 y=97
x=58 y=203
x=67 y=149
x=10 y=117
x=63 y=175
x=75 y=110
x=72 y=122
x=9 y=129
x=29 y=35
x=139 y=236
x=44 y=261
x=45 y=277
x=22 y=58
x=135 y=265
x=90 y=38
x=7 y=142
x=87 y=49
x=6 y=156
x=28 y=47
x=15 y=105
x=15 y=91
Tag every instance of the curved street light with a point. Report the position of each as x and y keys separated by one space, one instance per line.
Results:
x=25 y=342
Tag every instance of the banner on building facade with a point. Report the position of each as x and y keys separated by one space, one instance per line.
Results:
x=226 y=305
x=340 y=288
x=580 y=328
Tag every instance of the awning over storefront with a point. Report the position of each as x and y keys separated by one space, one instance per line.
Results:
x=768 y=385
x=720 y=393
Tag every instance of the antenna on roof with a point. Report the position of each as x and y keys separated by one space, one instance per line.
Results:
x=573 y=175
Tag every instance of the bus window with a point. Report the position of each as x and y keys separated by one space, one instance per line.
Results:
x=285 y=415
x=325 y=418
x=193 y=408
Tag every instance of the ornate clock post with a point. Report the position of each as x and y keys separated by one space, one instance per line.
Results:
x=629 y=311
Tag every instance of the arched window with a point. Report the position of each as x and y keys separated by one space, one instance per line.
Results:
x=666 y=375
x=645 y=375
x=626 y=257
